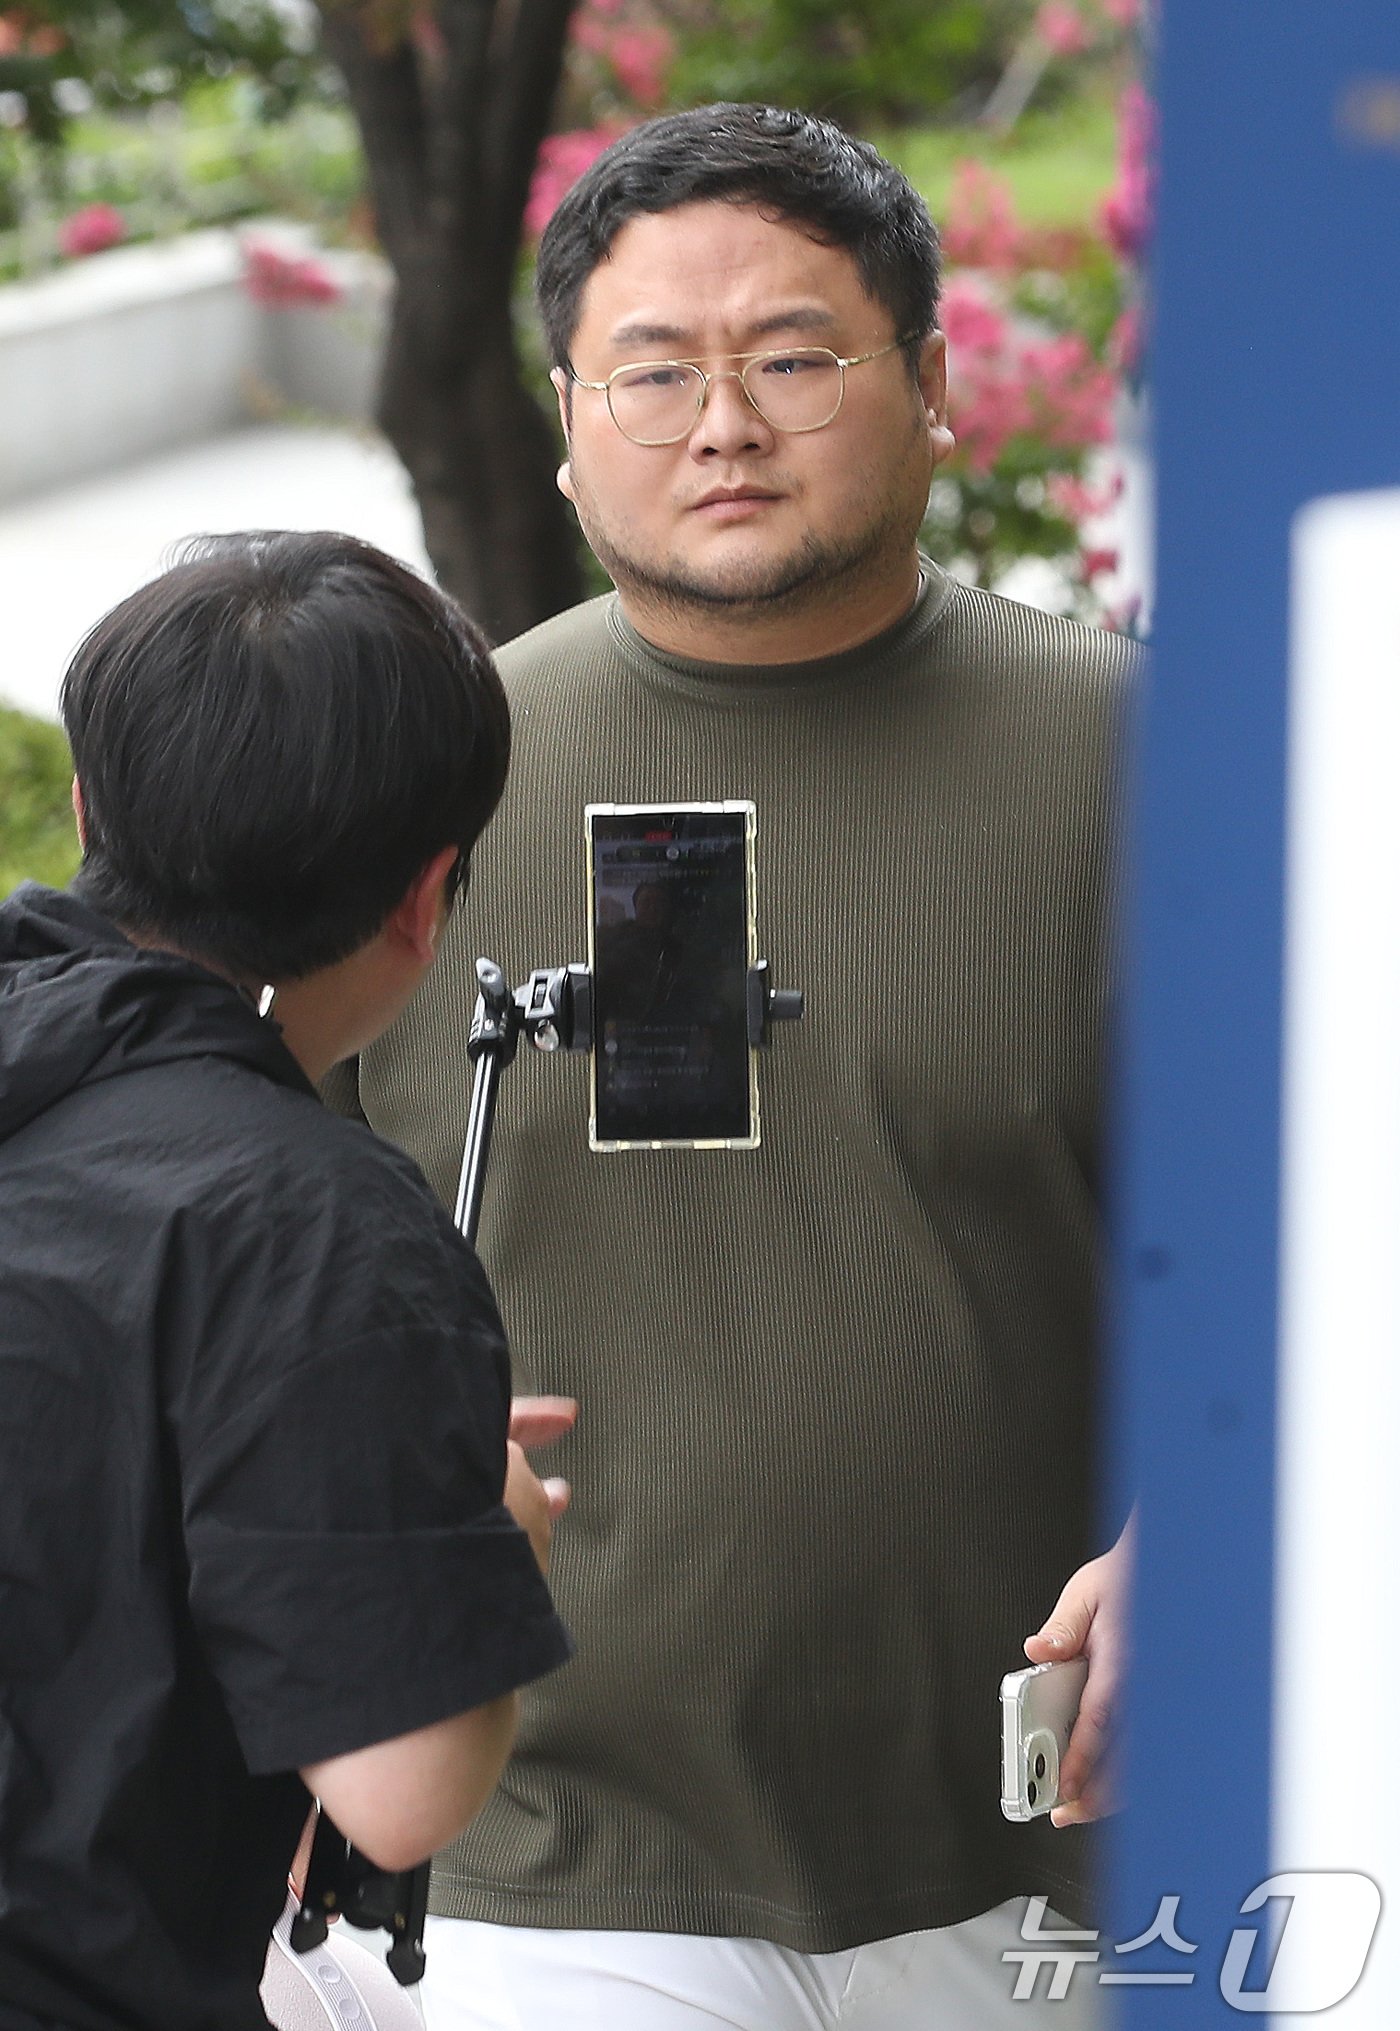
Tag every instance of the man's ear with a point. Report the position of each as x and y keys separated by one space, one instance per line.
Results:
x=417 y=919
x=564 y=478
x=933 y=387
x=560 y=382
x=79 y=814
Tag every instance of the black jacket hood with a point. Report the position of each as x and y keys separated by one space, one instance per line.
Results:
x=79 y=1003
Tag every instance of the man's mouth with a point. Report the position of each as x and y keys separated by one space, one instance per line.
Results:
x=725 y=503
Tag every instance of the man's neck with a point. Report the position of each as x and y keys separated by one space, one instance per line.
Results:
x=770 y=633
x=153 y=941
x=296 y=1008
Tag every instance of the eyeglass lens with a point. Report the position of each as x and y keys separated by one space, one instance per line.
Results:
x=658 y=401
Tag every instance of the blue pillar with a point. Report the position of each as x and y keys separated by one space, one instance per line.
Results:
x=1276 y=372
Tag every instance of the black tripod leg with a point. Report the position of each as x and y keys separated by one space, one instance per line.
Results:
x=320 y=1894
x=406 y=1959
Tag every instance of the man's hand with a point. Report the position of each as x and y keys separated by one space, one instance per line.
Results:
x=537 y=1421
x=1090 y=1619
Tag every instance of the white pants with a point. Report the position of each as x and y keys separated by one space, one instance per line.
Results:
x=516 y=1978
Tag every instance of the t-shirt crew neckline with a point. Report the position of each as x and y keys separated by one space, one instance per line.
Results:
x=735 y=683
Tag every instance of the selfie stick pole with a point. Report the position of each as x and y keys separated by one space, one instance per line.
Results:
x=495 y=1031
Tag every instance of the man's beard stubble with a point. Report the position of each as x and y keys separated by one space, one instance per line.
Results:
x=816 y=573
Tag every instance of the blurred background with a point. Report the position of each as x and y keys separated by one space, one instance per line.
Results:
x=267 y=264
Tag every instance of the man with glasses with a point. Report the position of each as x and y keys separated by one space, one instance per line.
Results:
x=766 y=1796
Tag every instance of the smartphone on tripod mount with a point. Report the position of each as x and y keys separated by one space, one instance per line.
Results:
x=671 y=944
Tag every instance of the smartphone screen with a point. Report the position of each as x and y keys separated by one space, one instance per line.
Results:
x=671 y=940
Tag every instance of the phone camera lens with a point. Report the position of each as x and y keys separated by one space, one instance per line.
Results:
x=1040 y=1766
x=1032 y=1791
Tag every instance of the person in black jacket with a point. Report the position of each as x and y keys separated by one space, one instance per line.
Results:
x=258 y=1529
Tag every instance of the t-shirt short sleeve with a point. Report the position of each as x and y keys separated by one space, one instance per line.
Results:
x=340 y=1419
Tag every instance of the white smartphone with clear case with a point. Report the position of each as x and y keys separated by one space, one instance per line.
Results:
x=1038 y=1709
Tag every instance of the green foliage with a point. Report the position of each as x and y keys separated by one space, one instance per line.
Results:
x=37 y=837
x=1057 y=163
x=216 y=153
x=206 y=161
x=139 y=52
x=980 y=525
x=1084 y=296
x=901 y=60
x=120 y=105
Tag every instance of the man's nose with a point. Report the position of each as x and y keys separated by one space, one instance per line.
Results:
x=728 y=421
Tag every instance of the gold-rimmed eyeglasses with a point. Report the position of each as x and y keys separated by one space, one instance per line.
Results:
x=795 y=388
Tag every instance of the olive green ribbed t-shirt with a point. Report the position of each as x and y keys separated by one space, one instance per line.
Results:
x=833 y=1459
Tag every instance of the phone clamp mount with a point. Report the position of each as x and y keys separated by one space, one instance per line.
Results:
x=554 y=1011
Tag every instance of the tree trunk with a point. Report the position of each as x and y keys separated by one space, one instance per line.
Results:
x=453 y=100
x=482 y=459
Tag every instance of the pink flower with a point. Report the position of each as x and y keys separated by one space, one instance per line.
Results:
x=982 y=230
x=1122 y=13
x=1125 y=341
x=591 y=34
x=1050 y=389
x=1061 y=27
x=639 y=55
x=971 y=323
x=991 y=404
x=1094 y=563
x=91 y=231
x=1127 y=211
x=281 y=279
x=1127 y=216
x=20 y=36
x=560 y=163
x=1072 y=394
x=641 y=58
x=1070 y=497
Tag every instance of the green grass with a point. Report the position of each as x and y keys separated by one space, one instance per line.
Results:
x=1059 y=163
x=37 y=837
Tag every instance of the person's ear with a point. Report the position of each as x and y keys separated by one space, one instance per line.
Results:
x=417 y=919
x=564 y=478
x=79 y=813
x=933 y=388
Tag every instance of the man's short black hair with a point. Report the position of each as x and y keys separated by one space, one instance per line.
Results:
x=791 y=166
x=273 y=739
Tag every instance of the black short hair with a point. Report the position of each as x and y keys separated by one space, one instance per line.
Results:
x=790 y=165
x=273 y=738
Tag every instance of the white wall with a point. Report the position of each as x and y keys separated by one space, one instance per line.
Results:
x=146 y=348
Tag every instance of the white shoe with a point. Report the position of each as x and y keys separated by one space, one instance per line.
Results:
x=336 y=1983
